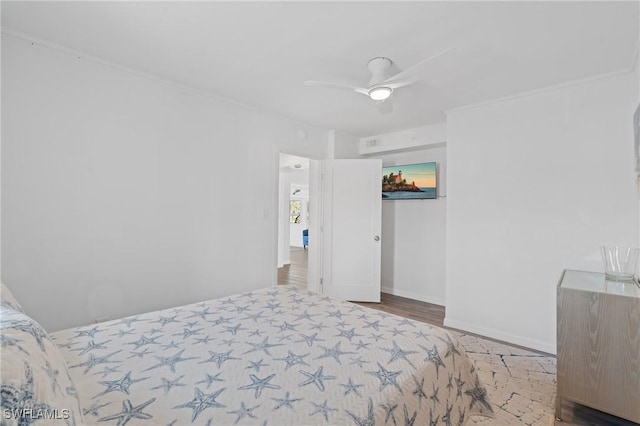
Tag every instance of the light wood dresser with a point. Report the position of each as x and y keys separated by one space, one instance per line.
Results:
x=598 y=344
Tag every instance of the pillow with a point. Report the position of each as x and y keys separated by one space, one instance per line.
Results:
x=34 y=380
x=7 y=300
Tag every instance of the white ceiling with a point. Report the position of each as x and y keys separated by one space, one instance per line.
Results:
x=293 y=163
x=259 y=53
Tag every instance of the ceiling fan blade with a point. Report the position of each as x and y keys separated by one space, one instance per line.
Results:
x=394 y=84
x=385 y=107
x=337 y=86
x=403 y=74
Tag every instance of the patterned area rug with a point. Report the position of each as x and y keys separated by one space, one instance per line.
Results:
x=521 y=384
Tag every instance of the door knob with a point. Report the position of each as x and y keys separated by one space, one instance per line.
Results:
x=376 y=238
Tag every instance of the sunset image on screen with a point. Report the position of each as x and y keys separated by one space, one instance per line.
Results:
x=409 y=181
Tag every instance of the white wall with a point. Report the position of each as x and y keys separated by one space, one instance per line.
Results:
x=414 y=235
x=123 y=194
x=295 y=229
x=0 y=177
x=284 y=256
x=413 y=231
x=408 y=139
x=345 y=146
x=535 y=185
x=636 y=70
x=287 y=231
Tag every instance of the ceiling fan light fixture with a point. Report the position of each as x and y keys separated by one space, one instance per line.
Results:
x=380 y=93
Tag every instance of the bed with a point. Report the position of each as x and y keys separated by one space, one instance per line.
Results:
x=276 y=356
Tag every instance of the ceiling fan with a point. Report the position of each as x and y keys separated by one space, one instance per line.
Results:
x=382 y=85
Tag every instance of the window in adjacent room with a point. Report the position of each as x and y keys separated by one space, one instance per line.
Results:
x=295 y=207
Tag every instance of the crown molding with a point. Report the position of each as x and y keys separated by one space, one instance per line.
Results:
x=36 y=41
x=545 y=89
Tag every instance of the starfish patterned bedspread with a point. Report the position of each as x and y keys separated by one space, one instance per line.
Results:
x=275 y=356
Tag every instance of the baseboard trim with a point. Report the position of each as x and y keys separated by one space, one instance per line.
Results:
x=500 y=335
x=412 y=295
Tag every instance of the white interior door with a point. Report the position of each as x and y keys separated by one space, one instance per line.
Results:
x=351 y=229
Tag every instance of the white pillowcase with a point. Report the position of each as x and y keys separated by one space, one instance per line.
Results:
x=35 y=382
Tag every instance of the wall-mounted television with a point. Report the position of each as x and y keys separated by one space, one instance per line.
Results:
x=410 y=182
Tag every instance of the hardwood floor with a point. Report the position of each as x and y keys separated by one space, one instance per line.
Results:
x=409 y=308
x=296 y=274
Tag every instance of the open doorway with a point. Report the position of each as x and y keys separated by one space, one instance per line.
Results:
x=293 y=221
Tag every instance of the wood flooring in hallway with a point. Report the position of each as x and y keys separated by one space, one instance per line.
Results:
x=296 y=274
